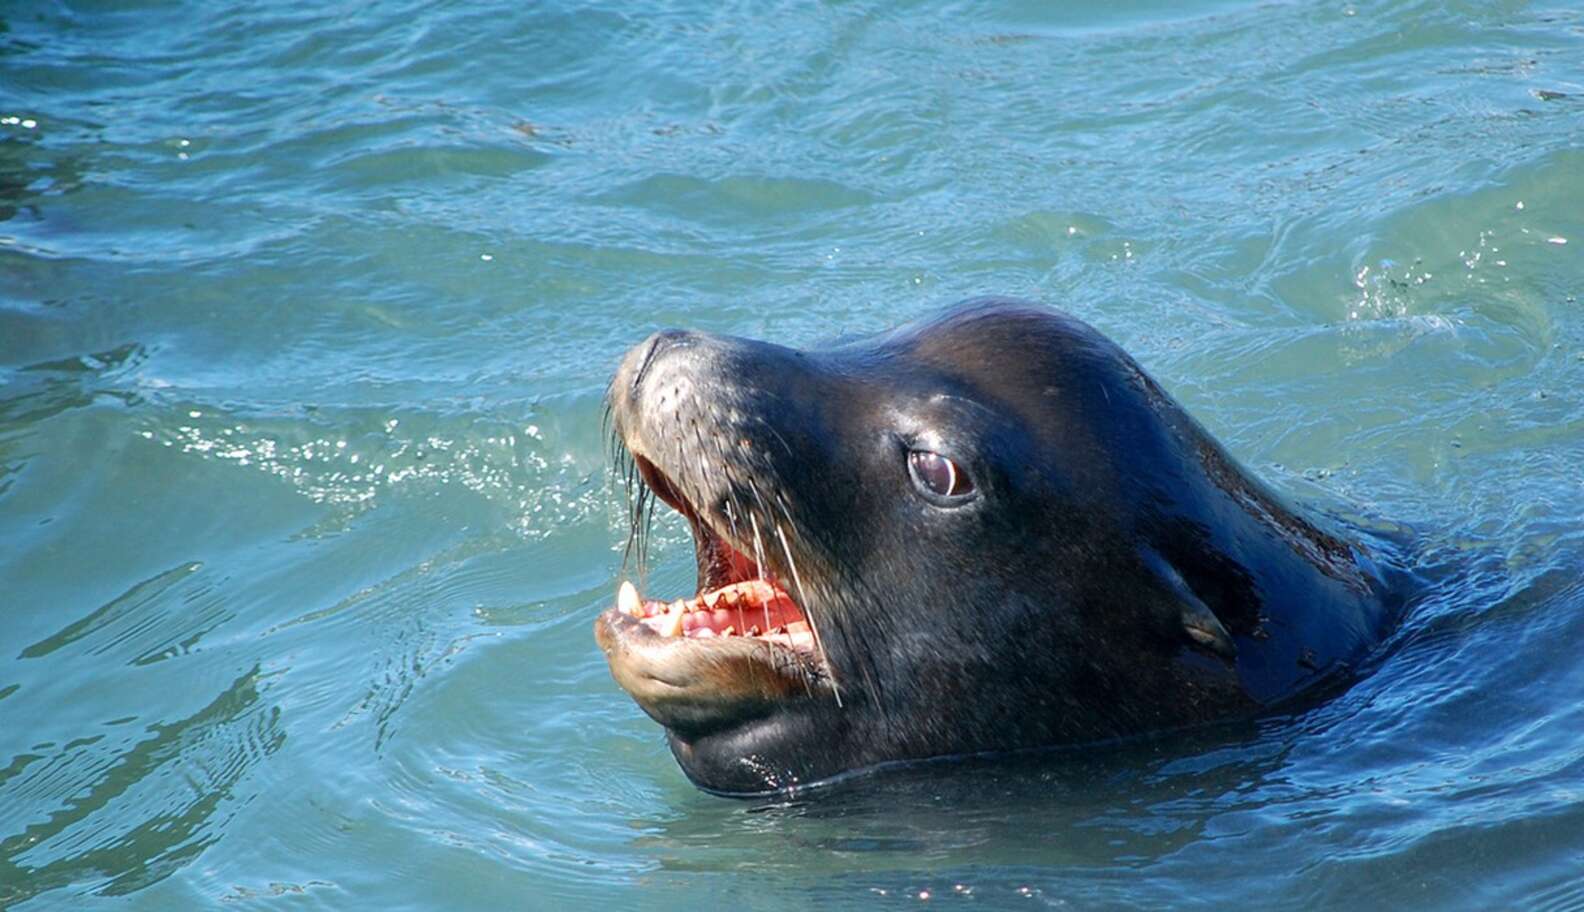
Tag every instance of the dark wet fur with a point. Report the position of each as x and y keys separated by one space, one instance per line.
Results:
x=1036 y=620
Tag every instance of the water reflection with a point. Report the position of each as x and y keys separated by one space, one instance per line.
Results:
x=27 y=175
x=114 y=813
x=1121 y=806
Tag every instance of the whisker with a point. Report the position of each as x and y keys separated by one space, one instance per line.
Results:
x=758 y=552
x=797 y=582
x=779 y=439
x=731 y=507
x=758 y=544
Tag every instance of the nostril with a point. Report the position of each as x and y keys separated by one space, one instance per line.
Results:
x=659 y=342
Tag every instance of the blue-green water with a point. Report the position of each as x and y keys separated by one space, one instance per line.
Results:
x=305 y=316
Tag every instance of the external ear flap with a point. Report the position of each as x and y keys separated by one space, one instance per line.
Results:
x=1201 y=625
x=1197 y=621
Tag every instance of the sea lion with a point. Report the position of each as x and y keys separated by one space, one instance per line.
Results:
x=987 y=531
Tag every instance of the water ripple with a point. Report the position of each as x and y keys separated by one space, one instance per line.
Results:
x=114 y=816
x=304 y=323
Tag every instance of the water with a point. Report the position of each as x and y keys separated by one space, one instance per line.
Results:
x=305 y=316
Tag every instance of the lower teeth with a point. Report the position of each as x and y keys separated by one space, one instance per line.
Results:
x=748 y=597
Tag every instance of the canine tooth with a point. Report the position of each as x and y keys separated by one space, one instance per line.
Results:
x=673 y=621
x=731 y=630
x=627 y=600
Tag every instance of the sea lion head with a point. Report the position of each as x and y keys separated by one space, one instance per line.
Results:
x=958 y=537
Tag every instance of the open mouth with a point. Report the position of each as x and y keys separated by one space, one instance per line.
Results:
x=737 y=597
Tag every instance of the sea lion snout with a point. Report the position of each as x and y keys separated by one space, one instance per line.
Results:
x=635 y=366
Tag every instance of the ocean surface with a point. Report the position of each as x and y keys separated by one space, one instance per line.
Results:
x=306 y=314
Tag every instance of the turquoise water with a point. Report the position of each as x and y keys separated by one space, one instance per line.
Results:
x=305 y=317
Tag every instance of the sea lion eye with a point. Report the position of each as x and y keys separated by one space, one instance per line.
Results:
x=938 y=475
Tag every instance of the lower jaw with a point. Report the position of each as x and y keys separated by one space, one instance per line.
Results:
x=706 y=685
x=776 y=755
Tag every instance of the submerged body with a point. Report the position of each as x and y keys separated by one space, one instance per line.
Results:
x=986 y=532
